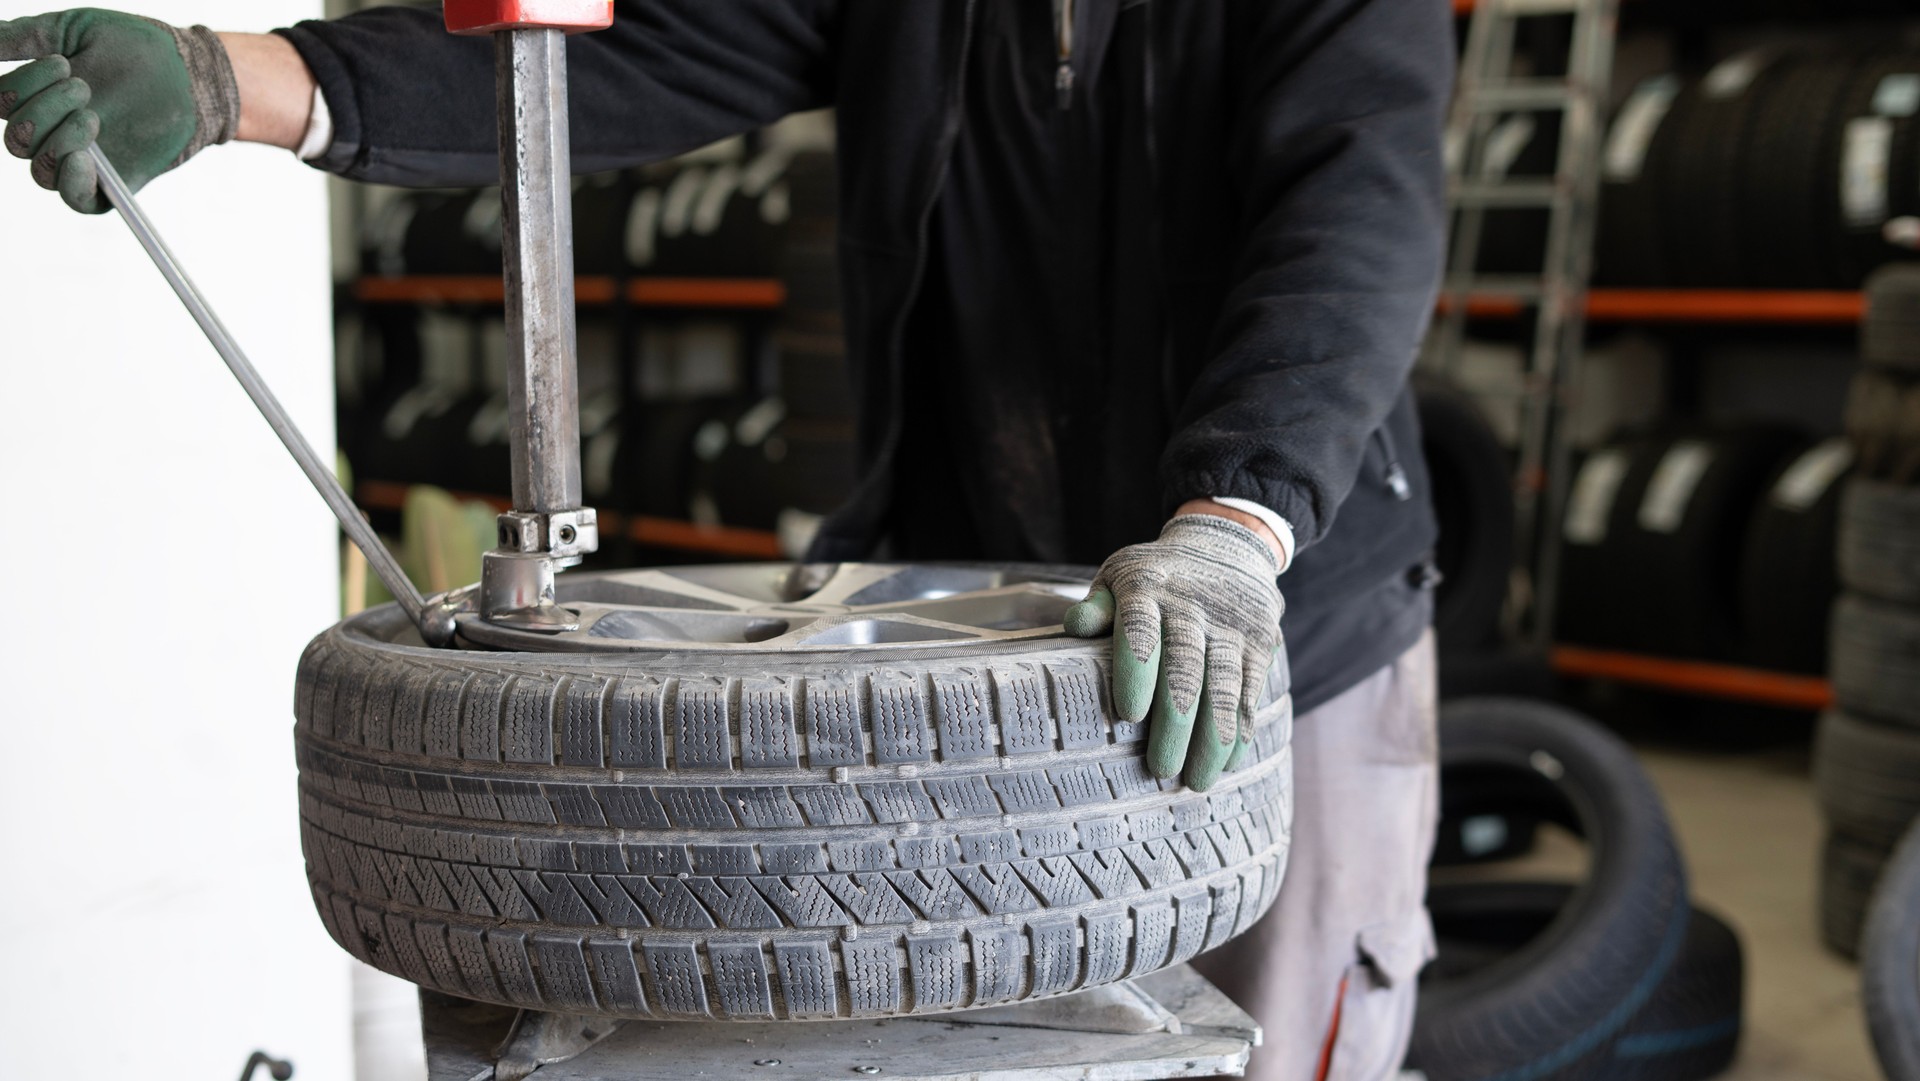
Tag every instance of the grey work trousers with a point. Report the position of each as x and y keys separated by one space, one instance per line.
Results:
x=1330 y=971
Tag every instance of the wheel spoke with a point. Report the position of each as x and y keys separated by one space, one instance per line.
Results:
x=1026 y=606
x=660 y=589
x=873 y=630
x=849 y=579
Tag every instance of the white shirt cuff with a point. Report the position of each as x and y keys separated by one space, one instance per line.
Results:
x=319 y=136
x=1272 y=521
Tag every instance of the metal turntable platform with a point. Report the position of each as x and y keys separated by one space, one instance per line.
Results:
x=1169 y=1024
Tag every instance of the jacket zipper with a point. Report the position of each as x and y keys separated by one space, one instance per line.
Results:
x=1396 y=474
x=896 y=336
x=1063 y=75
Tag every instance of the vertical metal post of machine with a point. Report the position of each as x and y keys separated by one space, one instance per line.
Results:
x=547 y=530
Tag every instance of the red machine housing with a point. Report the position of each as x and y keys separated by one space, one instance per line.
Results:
x=489 y=16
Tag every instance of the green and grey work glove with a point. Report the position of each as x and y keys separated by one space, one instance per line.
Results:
x=153 y=94
x=1195 y=617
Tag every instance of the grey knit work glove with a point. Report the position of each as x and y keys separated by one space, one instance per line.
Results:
x=1198 y=621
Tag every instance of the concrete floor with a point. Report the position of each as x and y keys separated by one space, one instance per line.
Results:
x=1751 y=834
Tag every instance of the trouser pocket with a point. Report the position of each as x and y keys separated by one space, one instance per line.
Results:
x=1379 y=992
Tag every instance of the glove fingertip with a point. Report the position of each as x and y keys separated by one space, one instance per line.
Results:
x=1136 y=679
x=1165 y=762
x=80 y=185
x=1239 y=754
x=1090 y=618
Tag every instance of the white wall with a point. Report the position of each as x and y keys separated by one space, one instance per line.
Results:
x=163 y=565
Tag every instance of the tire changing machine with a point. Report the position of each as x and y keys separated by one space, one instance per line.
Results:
x=1169 y=1024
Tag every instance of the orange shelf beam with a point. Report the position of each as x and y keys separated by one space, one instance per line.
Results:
x=738 y=293
x=1700 y=678
x=656 y=532
x=1757 y=306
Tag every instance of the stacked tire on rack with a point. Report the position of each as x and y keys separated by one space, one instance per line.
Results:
x=1652 y=517
x=816 y=459
x=779 y=441
x=695 y=217
x=1867 y=754
x=1773 y=169
x=1473 y=501
x=1614 y=976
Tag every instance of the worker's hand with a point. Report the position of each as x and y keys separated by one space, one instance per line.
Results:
x=1195 y=617
x=154 y=96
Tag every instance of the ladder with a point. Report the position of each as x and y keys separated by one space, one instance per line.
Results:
x=1489 y=92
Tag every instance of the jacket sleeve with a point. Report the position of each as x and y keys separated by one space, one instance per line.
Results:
x=414 y=105
x=1336 y=149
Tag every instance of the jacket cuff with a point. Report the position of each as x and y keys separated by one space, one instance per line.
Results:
x=1282 y=532
x=1290 y=503
x=336 y=97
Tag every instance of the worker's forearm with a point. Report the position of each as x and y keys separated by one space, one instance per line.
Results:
x=276 y=88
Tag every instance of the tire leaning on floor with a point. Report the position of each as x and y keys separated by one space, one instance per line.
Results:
x=1689 y=1028
x=1890 y=964
x=1555 y=1007
x=750 y=835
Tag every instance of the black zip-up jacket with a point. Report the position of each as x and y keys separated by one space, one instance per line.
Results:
x=1294 y=147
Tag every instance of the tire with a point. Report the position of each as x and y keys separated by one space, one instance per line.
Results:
x=1688 y=1030
x=1687 y=565
x=1725 y=237
x=1879 y=540
x=1876 y=660
x=1513 y=671
x=1591 y=558
x=1513 y=240
x=1890 y=333
x=1483 y=837
x=1629 y=245
x=1849 y=870
x=451 y=233
x=1790 y=539
x=1473 y=499
x=1684 y=504
x=654 y=460
x=1769 y=193
x=1554 y=1006
x=602 y=203
x=1862 y=246
x=1701 y=171
x=733 y=480
x=1879 y=407
x=1890 y=964
x=752 y=835
x=1808 y=119
x=810 y=266
x=1867 y=777
x=1837 y=236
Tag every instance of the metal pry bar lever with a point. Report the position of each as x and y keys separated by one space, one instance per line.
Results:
x=433 y=617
